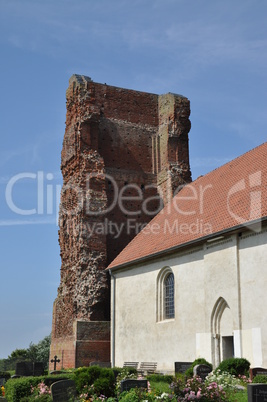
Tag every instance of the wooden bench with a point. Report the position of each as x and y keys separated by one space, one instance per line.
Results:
x=147 y=367
x=130 y=364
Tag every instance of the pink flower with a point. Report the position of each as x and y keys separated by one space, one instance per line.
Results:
x=192 y=396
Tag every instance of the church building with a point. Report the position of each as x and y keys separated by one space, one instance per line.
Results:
x=193 y=282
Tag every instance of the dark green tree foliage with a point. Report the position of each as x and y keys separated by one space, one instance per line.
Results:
x=32 y=352
x=42 y=351
x=36 y=353
x=18 y=355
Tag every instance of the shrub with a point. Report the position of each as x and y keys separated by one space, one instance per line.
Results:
x=18 y=388
x=116 y=371
x=125 y=372
x=40 y=393
x=84 y=376
x=136 y=395
x=260 y=379
x=226 y=380
x=104 y=386
x=130 y=396
x=103 y=379
x=119 y=370
x=195 y=388
x=131 y=370
x=235 y=366
x=189 y=372
x=50 y=379
x=39 y=398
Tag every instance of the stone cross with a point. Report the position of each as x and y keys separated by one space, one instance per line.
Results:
x=55 y=361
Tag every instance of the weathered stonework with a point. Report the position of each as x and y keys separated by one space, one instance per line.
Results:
x=124 y=155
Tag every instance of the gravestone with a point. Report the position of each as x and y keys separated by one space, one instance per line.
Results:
x=129 y=384
x=257 y=392
x=38 y=368
x=257 y=371
x=63 y=391
x=202 y=370
x=24 y=369
x=181 y=367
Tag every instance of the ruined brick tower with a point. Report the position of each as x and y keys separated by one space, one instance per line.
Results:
x=124 y=154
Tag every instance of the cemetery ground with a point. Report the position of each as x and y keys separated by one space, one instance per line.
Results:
x=96 y=383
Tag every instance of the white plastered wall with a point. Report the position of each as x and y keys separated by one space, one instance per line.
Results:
x=202 y=276
x=253 y=277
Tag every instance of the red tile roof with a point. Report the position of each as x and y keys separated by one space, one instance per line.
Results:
x=230 y=196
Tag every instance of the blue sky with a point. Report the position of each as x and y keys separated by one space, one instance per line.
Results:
x=213 y=52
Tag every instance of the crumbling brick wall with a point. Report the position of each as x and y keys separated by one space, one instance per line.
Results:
x=124 y=155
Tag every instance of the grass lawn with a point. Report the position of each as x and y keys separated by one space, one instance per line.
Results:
x=159 y=387
x=239 y=397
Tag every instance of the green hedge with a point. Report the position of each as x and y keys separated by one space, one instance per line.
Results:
x=260 y=378
x=102 y=379
x=18 y=388
x=50 y=379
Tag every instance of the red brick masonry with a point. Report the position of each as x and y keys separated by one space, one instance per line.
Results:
x=117 y=141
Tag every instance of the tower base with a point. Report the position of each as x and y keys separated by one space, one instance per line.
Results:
x=90 y=343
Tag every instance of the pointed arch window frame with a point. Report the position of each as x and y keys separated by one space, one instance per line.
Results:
x=215 y=328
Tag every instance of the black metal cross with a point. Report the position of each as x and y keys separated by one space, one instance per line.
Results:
x=55 y=361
